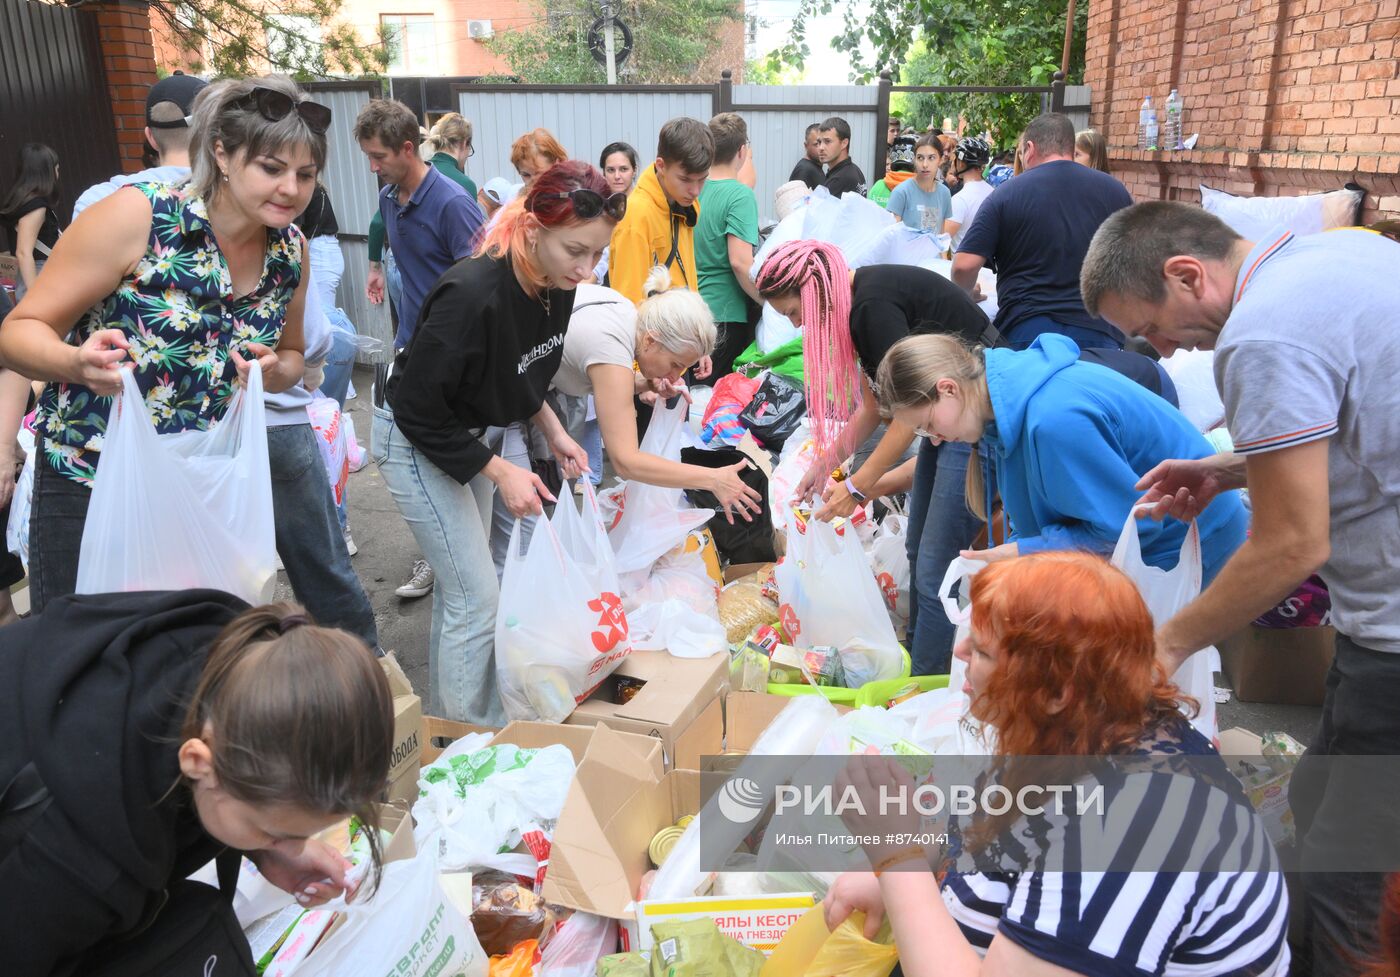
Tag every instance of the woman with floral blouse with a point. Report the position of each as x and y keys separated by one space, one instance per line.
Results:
x=184 y=285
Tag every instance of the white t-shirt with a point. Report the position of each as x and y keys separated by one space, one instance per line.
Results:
x=602 y=329
x=966 y=203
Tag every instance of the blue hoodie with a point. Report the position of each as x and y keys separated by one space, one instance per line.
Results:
x=1070 y=441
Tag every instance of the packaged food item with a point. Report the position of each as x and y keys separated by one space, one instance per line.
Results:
x=624 y=965
x=520 y=962
x=812 y=666
x=696 y=948
x=506 y=913
x=824 y=664
x=627 y=689
x=903 y=694
x=767 y=638
x=748 y=668
x=743 y=607
x=1281 y=744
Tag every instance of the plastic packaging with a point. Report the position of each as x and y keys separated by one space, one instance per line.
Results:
x=1147 y=125
x=743 y=608
x=550 y=655
x=675 y=627
x=578 y=945
x=17 y=530
x=1254 y=217
x=1173 y=131
x=406 y=928
x=847 y=951
x=721 y=423
x=889 y=559
x=696 y=948
x=743 y=540
x=1166 y=592
x=777 y=407
x=328 y=425
x=519 y=962
x=177 y=511
x=477 y=802
x=505 y=914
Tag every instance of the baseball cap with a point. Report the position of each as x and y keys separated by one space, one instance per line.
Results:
x=179 y=88
x=501 y=190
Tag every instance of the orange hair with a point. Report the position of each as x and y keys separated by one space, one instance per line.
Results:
x=1387 y=962
x=537 y=142
x=1077 y=671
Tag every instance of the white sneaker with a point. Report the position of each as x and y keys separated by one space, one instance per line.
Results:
x=350 y=391
x=420 y=584
x=350 y=542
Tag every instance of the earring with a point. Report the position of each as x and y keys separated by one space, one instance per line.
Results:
x=225 y=177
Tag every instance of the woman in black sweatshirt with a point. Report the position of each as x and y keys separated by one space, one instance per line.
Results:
x=490 y=338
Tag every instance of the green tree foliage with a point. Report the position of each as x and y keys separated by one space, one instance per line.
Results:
x=296 y=37
x=671 y=42
x=943 y=42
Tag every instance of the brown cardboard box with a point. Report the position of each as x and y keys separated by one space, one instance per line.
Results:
x=731 y=726
x=1285 y=666
x=408 y=720
x=738 y=571
x=677 y=690
x=1267 y=790
x=439 y=733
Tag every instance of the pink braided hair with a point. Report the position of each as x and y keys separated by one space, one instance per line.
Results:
x=818 y=272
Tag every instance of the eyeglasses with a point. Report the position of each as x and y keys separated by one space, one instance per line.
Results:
x=923 y=432
x=589 y=203
x=274 y=106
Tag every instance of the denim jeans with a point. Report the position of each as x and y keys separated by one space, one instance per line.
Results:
x=511 y=444
x=940 y=525
x=309 y=538
x=327 y=268
x=1024 y=333
x=1340 y=812
x=593 y=443
x=451 y=523
x=393 y=283
x=56 y=519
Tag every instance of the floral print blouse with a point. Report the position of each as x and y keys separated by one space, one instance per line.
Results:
x=178 y=311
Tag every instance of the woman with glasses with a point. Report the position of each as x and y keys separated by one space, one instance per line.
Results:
x=185 y=286
x=489 y=340
x=449 y=146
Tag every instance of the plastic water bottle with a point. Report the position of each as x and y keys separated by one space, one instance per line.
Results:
x=1174 y=132
x=1147 y=125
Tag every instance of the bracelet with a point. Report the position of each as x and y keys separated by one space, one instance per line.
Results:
x=904 y=855
x=856 y=493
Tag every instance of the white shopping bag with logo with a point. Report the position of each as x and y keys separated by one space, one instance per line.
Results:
x=560 y=628
x=176 y=511
x=889 y=558
x=1166 y=592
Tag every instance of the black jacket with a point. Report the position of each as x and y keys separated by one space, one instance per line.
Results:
x=92 y=696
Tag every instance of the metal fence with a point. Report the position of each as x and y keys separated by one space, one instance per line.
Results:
x=353 y=190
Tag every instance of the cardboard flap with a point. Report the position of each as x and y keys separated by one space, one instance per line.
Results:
x=399 y=685
x=599 y=850
x=761 y=459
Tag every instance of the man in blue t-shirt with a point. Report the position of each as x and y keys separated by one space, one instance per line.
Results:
x=1034 y=231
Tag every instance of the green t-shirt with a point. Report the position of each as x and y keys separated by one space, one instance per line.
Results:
x=726 y=207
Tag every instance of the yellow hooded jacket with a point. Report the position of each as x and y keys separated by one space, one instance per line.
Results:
x=653 y=232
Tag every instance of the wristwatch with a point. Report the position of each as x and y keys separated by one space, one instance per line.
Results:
x=856 y=493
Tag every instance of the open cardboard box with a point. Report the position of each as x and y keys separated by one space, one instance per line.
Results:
x=438 y=734
x=730 y=727
x=1287 y=666
x=408 y=720
x=1267 y=792
x=676 y=692
x=613 y=810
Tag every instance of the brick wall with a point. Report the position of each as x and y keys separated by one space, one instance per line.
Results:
x=128 y=57
x=1288 y=96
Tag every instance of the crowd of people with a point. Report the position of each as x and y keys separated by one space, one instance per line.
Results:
x=539 y=317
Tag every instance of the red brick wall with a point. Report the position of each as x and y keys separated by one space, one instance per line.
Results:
x=1288 y=96
x=128 y=56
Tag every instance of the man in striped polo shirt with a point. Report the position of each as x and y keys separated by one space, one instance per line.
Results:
x=1307 y=338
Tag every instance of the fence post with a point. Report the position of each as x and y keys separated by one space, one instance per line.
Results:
x=882 y=125
x=1057 y=92
x=724 y=98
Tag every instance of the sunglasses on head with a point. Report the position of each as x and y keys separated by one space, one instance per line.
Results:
x=274 y=106
x=589 y=203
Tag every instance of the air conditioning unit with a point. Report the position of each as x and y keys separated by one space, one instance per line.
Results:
x=479 y=30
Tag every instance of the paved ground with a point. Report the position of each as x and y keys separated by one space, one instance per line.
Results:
x=387 y=552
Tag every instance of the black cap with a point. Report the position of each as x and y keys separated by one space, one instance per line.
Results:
x=179 y=88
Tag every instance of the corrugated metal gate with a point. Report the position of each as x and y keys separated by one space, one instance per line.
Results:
x=53 y=90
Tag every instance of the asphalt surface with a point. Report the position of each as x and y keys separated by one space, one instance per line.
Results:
x=387 y=551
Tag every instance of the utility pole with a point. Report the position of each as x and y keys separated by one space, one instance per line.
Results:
x=608 y=42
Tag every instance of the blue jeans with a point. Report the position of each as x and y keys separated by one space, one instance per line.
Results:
x=309 y=538
x=452 y=524
x=1024 y=333
x=393 y=283
x=940 y=525
x=593 y=443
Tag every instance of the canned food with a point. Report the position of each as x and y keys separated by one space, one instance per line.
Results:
x=664 y=843
x=904 y=694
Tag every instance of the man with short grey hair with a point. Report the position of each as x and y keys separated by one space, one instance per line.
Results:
x=1306 y=332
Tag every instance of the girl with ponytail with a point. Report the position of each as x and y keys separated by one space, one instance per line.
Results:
x=489 y=340
x=143 y=735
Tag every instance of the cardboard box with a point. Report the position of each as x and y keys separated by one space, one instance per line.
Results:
x=613 y=810
x=1284 y=666
x=408 y=720
x=1267 y=790
x=677 y=690
x=738 y=571
x=731 y=726
x=439 y=733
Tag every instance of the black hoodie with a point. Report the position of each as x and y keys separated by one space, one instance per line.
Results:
x=92 y=696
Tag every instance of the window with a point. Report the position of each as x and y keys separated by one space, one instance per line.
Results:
x=412 y=46
x=292 y=42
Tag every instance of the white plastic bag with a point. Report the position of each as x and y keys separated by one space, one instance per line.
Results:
x=509 y=792
x=327 y=423
x=889 y=558
x=561 y=627
x=407 y=928
x=576 y=947
x=654 y=519
x=175 y=511
x=1166 y=592
x=829 y=597
x=17 y=530
x=1256 y=218
x=673 y=626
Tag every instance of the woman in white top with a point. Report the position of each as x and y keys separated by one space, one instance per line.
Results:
x=616 y=351
x=970 y=158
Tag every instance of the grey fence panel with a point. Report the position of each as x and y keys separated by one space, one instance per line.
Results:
x=353 y=191
x=777 y=135
x=1077 y=105
x=583 y=121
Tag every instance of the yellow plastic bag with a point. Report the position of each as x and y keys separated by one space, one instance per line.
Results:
x=809 y=950
x=520 y=962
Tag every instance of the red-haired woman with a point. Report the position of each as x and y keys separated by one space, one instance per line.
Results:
x=489 y=340
x=1062 y=662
